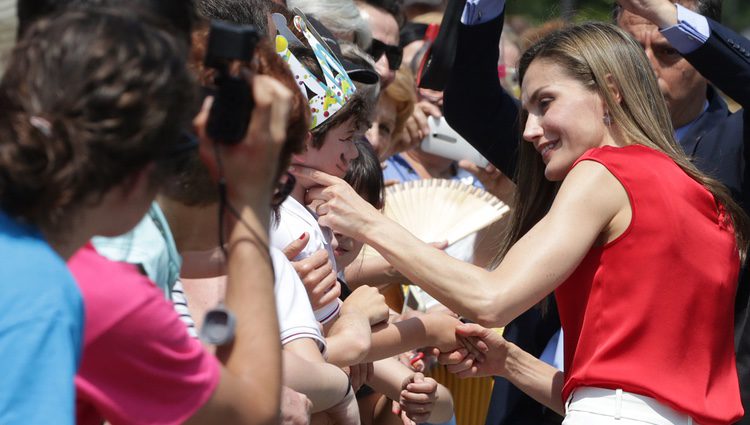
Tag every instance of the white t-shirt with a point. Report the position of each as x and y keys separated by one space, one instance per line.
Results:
x=293 y=309
x=296 y=318
x=294 y=220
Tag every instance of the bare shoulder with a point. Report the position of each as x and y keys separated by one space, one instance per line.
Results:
x=591 y=190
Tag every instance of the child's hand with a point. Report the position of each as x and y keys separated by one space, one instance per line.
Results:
x=417 y=398
x=441 y=328
x=369 y=302
x=316 y=273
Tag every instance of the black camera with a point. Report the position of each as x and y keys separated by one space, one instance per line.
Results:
x=233 y=98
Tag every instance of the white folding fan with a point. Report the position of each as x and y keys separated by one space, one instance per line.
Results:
x=437 y=210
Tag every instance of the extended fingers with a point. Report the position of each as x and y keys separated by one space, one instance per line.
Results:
x=471 y=344
x=414 y=134
x=308 y=265
x=296 y=246
x=470 y=167
x=472 y=329
x=429 y=109
x=453 y=357
x=319 y=177
x=327 y=293
x=470 y=372
x=465 y=364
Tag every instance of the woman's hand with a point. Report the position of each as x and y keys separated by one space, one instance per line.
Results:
x=484 y=353
x=338 y=206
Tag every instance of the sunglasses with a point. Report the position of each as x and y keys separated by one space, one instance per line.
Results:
x=393 y=53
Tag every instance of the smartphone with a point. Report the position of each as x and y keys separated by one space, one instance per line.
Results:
x=446 y=142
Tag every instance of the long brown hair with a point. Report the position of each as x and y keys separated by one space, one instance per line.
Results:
x=598 y=54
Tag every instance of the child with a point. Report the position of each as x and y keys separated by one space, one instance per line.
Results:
x=389 y=377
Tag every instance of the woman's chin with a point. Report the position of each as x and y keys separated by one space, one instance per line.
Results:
x=554 y=175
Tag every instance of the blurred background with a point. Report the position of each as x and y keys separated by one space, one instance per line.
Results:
x=736 y=13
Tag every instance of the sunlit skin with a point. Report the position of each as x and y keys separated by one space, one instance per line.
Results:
x=682 y=86
x=384 y=28
x=380 y=133
x=333 y=157
x=346 y=250
x=565 y=119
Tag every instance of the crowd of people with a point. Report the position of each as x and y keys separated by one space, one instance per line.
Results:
x=186 y=188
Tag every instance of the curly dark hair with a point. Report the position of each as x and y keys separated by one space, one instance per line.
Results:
x=177 y=16
x=89 y=97
x=244 y=12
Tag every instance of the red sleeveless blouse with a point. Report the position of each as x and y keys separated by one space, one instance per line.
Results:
x=652 y=312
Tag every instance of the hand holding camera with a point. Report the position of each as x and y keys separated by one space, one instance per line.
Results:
x=245 y=120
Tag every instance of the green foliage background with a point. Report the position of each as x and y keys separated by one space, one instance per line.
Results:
x=736 y=13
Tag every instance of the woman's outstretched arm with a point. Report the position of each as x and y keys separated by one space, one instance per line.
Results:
x=590 y=205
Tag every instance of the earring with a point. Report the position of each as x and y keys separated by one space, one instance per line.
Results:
x=607 y=119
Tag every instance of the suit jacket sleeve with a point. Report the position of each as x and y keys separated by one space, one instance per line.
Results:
x=724 y=60
x=475 y=104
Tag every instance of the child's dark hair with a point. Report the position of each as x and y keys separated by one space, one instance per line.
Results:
x=175 y=16
x=365 y=175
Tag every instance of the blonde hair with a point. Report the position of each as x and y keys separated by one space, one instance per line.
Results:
x=403 y=92
x=597 y=55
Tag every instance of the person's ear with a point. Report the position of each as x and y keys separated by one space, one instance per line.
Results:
x=299 y=158
x=614 y=89
x=308 y=141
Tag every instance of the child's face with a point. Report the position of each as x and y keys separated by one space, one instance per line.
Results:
x=347 y=250
x=337 y=150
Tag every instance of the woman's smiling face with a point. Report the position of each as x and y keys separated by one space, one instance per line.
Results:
x=564 y=117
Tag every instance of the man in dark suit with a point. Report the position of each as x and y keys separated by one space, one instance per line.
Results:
x=690 y=54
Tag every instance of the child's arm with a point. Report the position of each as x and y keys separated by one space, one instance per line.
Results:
x=349 y=338
x=323 y=383
x=428 y=330
x=423 y=399
x=374 y=271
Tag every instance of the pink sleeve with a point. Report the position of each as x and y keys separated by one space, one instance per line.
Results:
x=143 y=368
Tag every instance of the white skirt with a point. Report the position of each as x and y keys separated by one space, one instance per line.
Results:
x=594 y=406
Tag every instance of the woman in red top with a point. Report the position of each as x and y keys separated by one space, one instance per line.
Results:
x=640 y=247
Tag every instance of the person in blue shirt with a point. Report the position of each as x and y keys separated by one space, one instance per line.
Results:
x=89 y=103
